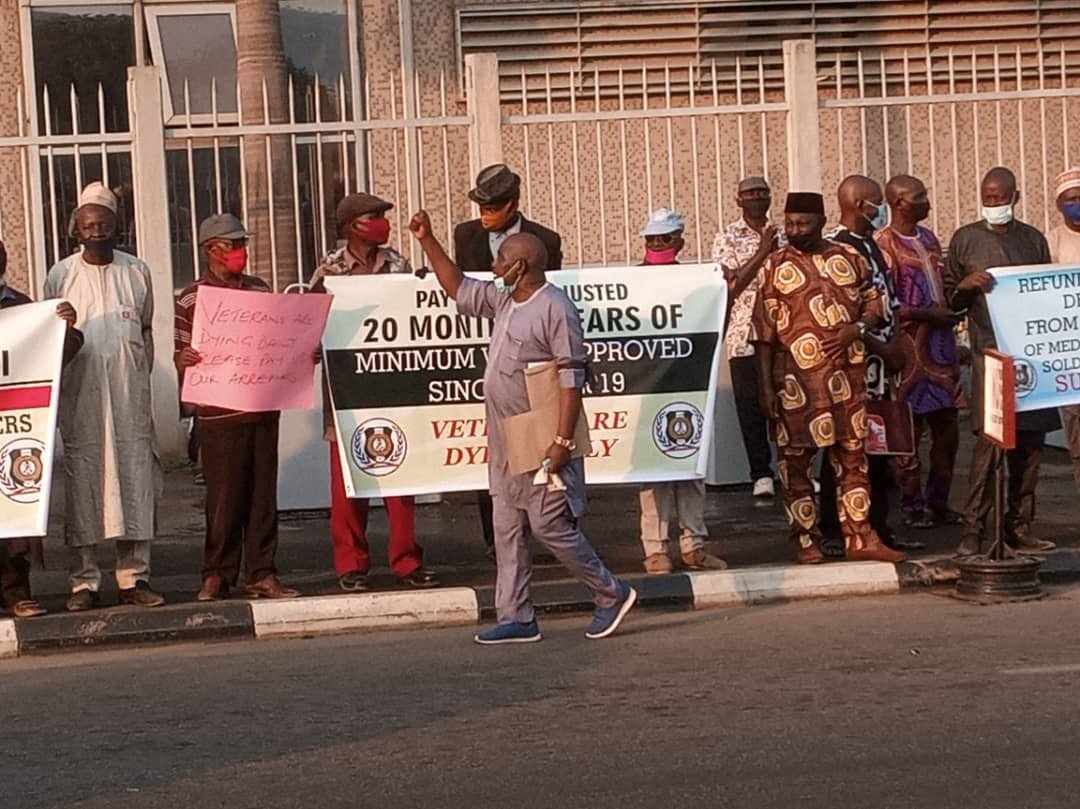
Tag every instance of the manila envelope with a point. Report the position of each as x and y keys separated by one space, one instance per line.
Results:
x=528 y=435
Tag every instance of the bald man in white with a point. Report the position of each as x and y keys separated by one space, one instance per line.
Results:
x=111 y=468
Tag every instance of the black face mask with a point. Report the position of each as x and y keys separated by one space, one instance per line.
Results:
x=100 y=248
x=919 y=210
x=804 y=241
x=756 y=208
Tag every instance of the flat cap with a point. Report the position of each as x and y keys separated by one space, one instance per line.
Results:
x=221 y=226
x=355 y=205
x=754 y=184
x=663 y=221
x=495 y=184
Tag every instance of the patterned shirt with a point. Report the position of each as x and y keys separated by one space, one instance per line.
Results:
x=732 y=249
x=803 y=297
x=931 y=377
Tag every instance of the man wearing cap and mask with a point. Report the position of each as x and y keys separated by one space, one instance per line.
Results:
x=361 y=219
x=476 y=243
x=816 y=303
x=997 y=239
x=681 y=501
x=15 y=554
x=740 y=250
x=1064 y=243
x=239 y=450
x=111 y=468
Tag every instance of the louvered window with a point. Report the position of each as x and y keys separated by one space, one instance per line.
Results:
x=616 y=41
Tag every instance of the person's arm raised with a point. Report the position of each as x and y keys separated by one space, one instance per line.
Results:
x=450 y=277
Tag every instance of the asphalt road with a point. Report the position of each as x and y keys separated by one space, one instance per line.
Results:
x=909 y=701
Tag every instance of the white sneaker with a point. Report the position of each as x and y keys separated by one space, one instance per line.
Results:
x=763 y=487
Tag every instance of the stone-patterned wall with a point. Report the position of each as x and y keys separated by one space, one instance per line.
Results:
x=11 y=160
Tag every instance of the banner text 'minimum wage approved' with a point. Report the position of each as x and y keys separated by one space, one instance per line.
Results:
x=406 y=377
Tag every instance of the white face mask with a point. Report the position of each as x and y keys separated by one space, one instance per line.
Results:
x=998 y=214
x=506 y=288
x=880 y=217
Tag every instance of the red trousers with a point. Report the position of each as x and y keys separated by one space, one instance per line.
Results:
x=348 y=528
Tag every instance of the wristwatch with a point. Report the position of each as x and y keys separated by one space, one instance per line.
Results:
x=565 y=443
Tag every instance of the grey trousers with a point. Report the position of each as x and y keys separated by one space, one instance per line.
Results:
x=132 y=565
x=1070 y=420
x=681 y=501
x=550 y=520
x=1022 y=467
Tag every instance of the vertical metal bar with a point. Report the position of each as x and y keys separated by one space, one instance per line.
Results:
x=600 y=169
x=695 y=166
x=193 y=211
x=997 y=105
x=76 y=151
x=50 y=160
x=318 y=191
x=648 y=139
x=420 y=188
x=525 y=144
x=740 y=117
x=862 y=115
x=669 y=134
x=975 y=120
x=716 y=150
x=625 y=172
x=446 y=161
x=1047 y=202
x=885 y=118
x=241 y=141
x=216 y=143
x=294 y=164
x=343 y=116
x=551 y=148
x=764 y=122
x=955 y=149
x=368 y=156
x=270 y=191
x=1022 y=139
x=907 y=114
x=101 y=129
x=397 y=159
x=359 y=99
x=577 y=171
x=1065 y=108
x=841 y=159
x=933 y=136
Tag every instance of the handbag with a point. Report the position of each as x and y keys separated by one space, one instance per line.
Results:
x=890 y=428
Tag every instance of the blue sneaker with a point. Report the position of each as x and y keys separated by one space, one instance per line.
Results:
x=607 y=619
x=511 y=632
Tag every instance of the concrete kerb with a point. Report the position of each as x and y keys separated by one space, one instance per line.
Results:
x=9 y=641
x=729 y=588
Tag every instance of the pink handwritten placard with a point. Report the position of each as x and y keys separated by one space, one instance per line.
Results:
x=258 y=349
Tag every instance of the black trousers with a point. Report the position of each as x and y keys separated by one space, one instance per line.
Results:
x=14 y=572
x=879 y=471
x=1022 y=465
x=240 y=464
x=752 y=421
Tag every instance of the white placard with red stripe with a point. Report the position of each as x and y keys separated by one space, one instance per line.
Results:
x=31 y=354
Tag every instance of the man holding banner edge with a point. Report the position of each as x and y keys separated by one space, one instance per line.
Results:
x=533 y=322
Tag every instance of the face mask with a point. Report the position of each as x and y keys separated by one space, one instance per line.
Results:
x=880 y=217
x=99 y=248
x=505 y=286
x=997 y=214
x=803 y=241
x=756 y=208
x=1071 y=211
x=665 y=256
x=236 y=260
x=374 y=231
x=919 y=210
x=498 y=221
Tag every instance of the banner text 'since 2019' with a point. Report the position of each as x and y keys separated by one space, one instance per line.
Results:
x=406 y=377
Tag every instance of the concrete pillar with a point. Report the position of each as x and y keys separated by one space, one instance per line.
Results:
x=800 y=90
x=485 y=112
x=152 y=225
x=14 y=228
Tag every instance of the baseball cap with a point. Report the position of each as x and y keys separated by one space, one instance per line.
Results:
x=663 y=221
x=222 y=226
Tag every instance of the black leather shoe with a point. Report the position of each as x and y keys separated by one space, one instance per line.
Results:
x=421 y=577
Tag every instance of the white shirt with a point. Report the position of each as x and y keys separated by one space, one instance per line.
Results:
x=497 y=237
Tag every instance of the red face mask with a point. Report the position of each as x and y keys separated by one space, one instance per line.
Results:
x=373 y=231
x=665 y=256
x=236 y=260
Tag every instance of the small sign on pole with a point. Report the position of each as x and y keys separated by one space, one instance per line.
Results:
x=999 y=399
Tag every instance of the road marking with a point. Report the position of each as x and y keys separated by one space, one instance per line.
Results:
x=1070 y=668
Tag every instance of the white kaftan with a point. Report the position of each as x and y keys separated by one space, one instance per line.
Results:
x=113 y=475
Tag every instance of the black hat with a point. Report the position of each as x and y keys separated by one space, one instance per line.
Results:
x=495 y=185
x=805 y=202
x=356 y=205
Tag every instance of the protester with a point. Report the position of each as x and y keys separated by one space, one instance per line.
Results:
x=741 y=250
x=362 y=220
x=1064 y=243
x=930 y=382
x=681 y=501
x=16 y=554
x=534 y=321
x=239 y=449
x=863 y=211
x=998 y=239
x=111 y=468
x=476 y=243
x=816 y=303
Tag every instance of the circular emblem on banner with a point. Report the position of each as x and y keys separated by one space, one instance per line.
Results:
x=378 y=447
x=677 y=430
x=1027 y=378
x=21 y=468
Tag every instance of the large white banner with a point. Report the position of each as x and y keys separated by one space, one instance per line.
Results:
x=31 y=352
x=1035 y=311
x=406 y=377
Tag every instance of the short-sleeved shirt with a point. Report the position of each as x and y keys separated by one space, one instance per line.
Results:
x=544 y=328
x=733 y=247
x=930 y=380
x=183 y=326
x=803 y=297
